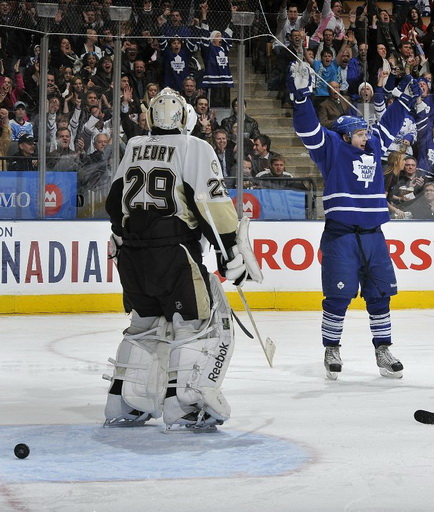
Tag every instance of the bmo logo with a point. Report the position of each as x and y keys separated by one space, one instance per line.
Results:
x=251 y=206
x=53 y=199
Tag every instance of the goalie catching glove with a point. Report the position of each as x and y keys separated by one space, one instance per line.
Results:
x=299 y=81
x=241 y=263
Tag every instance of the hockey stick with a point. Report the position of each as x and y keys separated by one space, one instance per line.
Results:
x=269 y=347
x=242 y=326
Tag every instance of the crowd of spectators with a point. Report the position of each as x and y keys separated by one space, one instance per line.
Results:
x=164 y=44
x=356 y=61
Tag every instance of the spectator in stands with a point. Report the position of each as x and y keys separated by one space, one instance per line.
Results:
x=334 y=106
x=217 y=76
x=63 y=55
x=251 y=128
x=414 y=26
x=204 y=113
x=64 y=81
x=328 y=42
x=189 y=91
x=247 y=142
x=64 y=158
x=423 y=207
x=203 y=130
x=31 y=79
x=130 y=127
x=357 y=67
x=106 y=41
x=294 y=51
x=248 y=181
x=11 y=89
x=52 y=87
x=20 y=124
x=428 y=44
x=102 y=80
x=261 y=153
x=143 y=17
x=327 y=71
x=96 y=124
x=330 y=19
x=91 y=18
x=224 y=150
x=76 y=93
x=392 y=171
x=94 y=178
x=399 y=5
x=409 y=186
x=24 y=159
x=385 y=31
x=313 y=22
x=130 y=52
x=405 y=59
x=139 y=79
x=288 y=20
x=5 y=138
x=365 y=103
x=173 y=25
x=151 y=91
x=176 y=55
x=90 y=44
x=88 y=70
x=274 y=177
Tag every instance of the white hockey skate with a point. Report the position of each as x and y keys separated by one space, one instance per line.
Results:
x=120 y=414
x=332 y=362
x=188 y=418
x=388 y=364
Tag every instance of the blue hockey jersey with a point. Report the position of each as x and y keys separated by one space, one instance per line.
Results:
x=354 y=184
x=216 y=60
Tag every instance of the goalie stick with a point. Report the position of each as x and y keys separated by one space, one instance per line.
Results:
x=426 y=417
x=268 y=347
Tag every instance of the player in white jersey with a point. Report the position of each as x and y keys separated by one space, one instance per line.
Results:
x=176 y=351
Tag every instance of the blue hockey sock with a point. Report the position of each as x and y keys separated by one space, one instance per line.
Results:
x=379 y=320
x=333 y=316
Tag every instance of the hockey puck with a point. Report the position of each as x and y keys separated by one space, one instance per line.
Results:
x=21 y=450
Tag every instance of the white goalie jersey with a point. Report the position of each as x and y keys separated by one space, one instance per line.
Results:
x=168 y=174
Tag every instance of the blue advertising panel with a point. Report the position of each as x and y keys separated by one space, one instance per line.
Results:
x=271 y=204
x=19 y=195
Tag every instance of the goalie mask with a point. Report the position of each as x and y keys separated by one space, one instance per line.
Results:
x=167 y=111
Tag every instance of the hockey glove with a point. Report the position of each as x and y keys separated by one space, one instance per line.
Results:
x=115 y=245
x=299 y=81
x=234 y=269
x=407 y=91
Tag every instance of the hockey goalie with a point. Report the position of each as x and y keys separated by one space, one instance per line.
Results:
x=174 y=355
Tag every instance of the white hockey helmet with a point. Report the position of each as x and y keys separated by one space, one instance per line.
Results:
x=191 y=120
x=167 y=111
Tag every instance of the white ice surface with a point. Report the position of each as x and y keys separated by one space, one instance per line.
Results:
x=362 y=449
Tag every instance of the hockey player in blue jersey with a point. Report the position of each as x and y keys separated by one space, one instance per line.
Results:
x=354 y=250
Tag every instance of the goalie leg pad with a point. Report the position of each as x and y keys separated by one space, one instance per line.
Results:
x=198 y=365
x=141 y=364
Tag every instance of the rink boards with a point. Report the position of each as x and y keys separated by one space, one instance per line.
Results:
x=62 y=266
